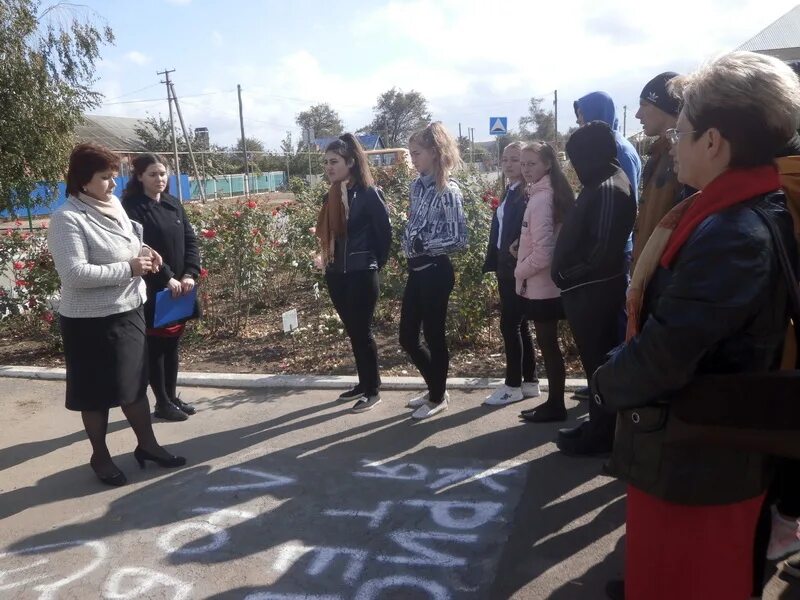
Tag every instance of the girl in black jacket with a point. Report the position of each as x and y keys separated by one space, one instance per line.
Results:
x=168 y=232
x=355 y=235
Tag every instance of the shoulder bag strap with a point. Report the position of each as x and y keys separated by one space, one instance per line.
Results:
x=786 y=267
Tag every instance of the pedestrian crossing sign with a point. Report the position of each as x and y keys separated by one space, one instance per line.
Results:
x=498 y=125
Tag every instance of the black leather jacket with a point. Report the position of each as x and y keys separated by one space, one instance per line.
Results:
x=369 y=233
x=501 y=260
x=721 y=308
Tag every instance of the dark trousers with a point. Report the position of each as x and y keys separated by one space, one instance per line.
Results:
x=162 y=358
x=593 y=312
x=517 y=339
x=425 y=306
x=354 y=296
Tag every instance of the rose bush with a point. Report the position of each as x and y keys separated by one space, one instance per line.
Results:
x=28 y=283
x=257 y=253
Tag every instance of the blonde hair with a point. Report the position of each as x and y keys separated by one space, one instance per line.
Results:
x=435 y=137
x=752 y=99
x=514 y=146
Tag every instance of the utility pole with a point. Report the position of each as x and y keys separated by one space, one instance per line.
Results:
x=471 y=131
x=200 y=188
x=459 y=131
x=555 y=109
x=166 y=73
x=625 y=120
x=244 y=142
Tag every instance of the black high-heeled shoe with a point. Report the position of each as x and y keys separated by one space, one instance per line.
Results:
x=170 y=462
x=116 y=480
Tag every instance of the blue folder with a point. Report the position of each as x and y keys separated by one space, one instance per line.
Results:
x=170 y=310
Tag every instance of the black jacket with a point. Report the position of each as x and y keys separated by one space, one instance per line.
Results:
x=591 y=244
x=369 y=233
x=168 y=232
x=501 y=260
x=721 y=308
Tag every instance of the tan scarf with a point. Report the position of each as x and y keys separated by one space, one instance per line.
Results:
x=109 y=208
x=728 y=189
x=332 y=221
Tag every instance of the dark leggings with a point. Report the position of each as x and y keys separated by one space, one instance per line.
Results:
x=517 y=339
x=547 y=339
x=425 y=306
x=162 y=356
x=354 y=295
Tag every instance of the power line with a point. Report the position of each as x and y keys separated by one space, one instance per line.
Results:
x=161 y=99
x=147 y=87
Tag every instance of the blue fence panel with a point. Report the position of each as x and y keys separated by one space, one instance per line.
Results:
x=44 y=201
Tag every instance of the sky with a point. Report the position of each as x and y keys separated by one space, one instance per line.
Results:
x=471 y=59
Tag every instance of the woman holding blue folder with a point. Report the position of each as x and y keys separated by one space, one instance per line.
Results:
x=168 y=232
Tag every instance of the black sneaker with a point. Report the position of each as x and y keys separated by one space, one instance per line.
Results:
x=169 y=412
x=366 y=403
x=356 y=392
x=183 y=406
x=581 y=394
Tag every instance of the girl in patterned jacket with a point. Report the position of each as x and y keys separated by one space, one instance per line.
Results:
x=436 y=228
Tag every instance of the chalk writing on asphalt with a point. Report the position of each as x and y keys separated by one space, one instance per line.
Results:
x=416 y=542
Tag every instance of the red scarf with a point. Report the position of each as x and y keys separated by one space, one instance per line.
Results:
x=728 y=189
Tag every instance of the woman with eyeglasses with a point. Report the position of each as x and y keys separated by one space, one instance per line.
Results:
x=708 y=296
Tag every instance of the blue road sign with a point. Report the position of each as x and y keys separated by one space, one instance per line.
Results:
x=498 y=125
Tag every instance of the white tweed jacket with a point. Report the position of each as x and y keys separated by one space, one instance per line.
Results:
x=91 y=254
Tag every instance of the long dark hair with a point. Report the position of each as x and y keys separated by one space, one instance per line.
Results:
x=138 y=167
x=349 y=148
x=563 y=194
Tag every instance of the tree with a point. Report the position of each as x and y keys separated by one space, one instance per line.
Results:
x=47 y=68
x=398 y=115
x=539 y=124
x=252 y=145
x=321 y=119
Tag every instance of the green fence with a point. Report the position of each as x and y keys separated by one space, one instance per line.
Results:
x=233 y=185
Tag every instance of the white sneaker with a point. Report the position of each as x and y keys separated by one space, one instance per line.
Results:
x=429 y=409
x=504 y=395
x=784 y=538
x=530 y=389
x=418 y=401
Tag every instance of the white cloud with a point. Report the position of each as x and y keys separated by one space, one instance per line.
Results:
x=470 y=59
x=137 y=57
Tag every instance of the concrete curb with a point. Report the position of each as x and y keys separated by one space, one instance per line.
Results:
x=256 y=381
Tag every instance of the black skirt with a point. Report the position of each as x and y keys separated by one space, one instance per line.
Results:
x=106 y=360
x=550 y=309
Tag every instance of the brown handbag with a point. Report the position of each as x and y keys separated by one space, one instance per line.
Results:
x=758 y=412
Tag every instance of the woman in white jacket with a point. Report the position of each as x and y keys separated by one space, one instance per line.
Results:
x=550 y=198
x=100 y=259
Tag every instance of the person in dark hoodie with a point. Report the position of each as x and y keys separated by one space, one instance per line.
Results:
x=501 y=257
x=598 y=106
x=591 y=268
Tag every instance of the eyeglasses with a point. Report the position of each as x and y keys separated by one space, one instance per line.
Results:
x=674 y=136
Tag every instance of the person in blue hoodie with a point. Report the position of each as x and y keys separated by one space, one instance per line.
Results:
x=598 y=106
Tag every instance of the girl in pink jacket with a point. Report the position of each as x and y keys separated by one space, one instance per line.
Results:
x=550 y=198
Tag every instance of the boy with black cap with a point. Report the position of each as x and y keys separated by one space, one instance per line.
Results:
x=658 y=111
